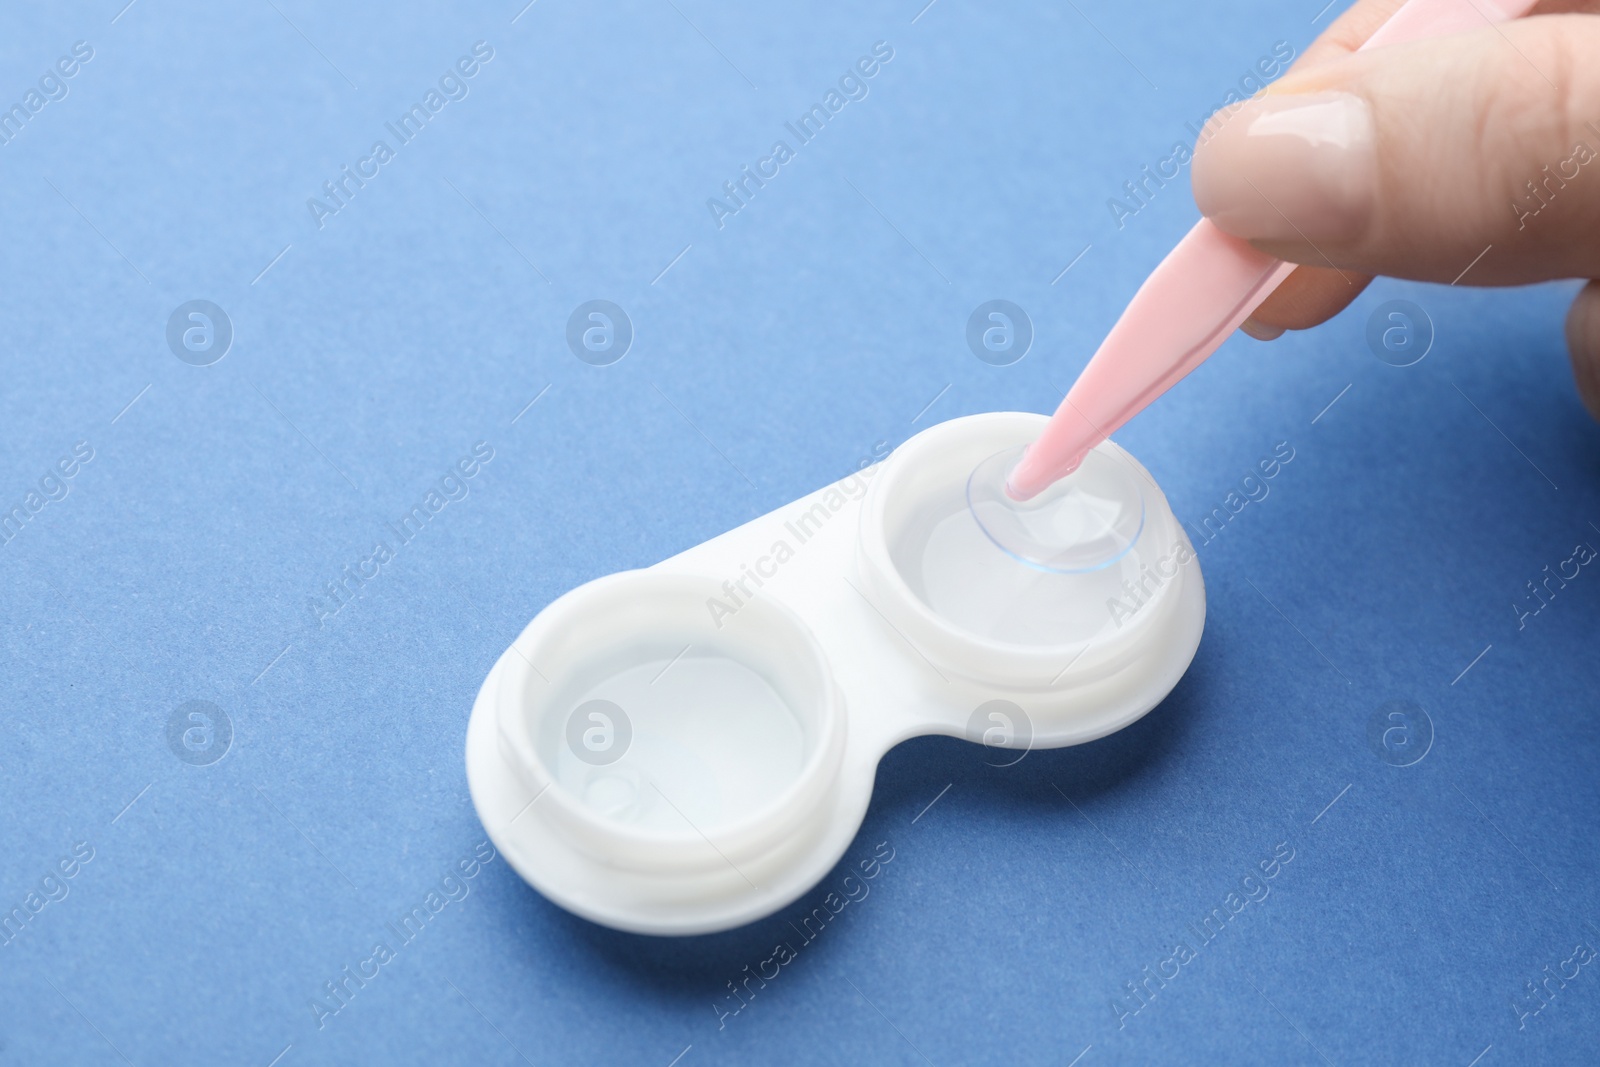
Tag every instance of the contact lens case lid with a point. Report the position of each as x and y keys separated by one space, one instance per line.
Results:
x=690 y=747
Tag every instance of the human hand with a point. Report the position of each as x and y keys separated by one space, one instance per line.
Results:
x=1470 y=159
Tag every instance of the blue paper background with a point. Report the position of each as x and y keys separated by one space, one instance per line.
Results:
x=827 y=315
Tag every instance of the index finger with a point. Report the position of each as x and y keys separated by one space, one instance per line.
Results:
x=1348 y=32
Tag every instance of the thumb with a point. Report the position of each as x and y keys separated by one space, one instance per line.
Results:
x=1471 y=158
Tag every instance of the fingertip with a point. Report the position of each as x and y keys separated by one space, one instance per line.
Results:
x=1260 y=331
x=1308 y=297
x=1583 y=345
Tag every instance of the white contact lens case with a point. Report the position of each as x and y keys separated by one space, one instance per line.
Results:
x=690 y=747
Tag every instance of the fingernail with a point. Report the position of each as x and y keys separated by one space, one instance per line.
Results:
x=1254 y=329
x=1288 y=166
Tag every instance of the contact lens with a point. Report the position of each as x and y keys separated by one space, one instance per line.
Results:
x=1083 y=522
